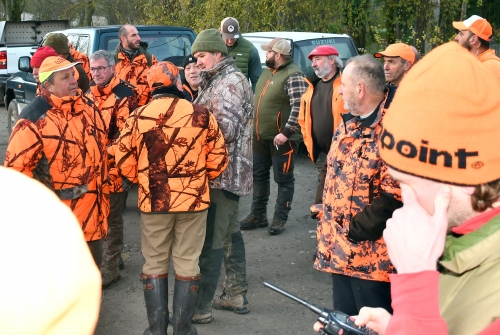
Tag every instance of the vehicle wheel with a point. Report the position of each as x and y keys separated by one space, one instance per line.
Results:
x=2 y=95
x=12 y=115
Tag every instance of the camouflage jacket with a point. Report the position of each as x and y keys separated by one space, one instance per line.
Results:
x=135 y=72
x=358 y=192
x=116 y=100
x=226 y=92
x=61 y=142
x=174 y=148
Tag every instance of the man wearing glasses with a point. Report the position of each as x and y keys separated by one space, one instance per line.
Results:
x=116 y=100
x=475 y=34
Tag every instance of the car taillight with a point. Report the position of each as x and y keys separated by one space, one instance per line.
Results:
x=3 y=59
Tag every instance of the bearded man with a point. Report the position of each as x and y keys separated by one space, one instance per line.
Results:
x=133 y=62
x=321 y=106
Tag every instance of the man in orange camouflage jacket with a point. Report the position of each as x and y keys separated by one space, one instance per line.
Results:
x=60 y=140
x=116 y=100
x=359 y=195
x=133 y=62
x=176 y=148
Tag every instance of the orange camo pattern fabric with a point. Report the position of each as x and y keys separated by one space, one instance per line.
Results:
x=135 y=73
x=82 y=58
x=115 y=111
x=356 y=175
x=175 y=148
x=63 y=148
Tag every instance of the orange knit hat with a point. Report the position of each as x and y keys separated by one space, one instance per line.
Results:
x=162 y=74
x=444 y=119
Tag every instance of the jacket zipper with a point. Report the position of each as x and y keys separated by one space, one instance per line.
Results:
x=258 y=104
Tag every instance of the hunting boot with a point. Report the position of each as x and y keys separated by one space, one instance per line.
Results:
x=185 y=293
x=156 y=298
x=253 y=221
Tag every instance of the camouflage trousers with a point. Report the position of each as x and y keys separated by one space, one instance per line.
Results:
x=223 y=242
x=112 y=244
x=282 y=160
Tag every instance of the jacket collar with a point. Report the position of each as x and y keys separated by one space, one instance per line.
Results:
x=370 y=122
x=208 y=75
x=463 y=253
x=70 y=105
x=104 y=90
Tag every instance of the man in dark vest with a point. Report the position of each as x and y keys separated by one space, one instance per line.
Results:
x=276 y=135
x=245 y=55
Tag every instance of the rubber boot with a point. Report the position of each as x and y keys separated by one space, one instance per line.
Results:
x=185 y=293
x=156 y=298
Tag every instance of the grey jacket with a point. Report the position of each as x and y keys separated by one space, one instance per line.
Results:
x=226 y=92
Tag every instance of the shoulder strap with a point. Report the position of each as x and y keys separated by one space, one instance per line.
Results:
x=149 y=58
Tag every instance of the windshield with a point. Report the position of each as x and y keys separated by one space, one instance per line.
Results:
x=164 y=47
x=344 y=46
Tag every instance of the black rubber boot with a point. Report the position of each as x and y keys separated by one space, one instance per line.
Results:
x=185 y=293
x=156 y=298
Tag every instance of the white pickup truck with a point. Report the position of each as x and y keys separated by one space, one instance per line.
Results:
x=21 y=38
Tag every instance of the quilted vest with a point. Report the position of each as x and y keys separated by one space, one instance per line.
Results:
x=271 y=102
x=240 y=52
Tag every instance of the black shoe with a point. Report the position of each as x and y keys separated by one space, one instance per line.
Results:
x=252 y=221
x=121 y=265
x=276 y=227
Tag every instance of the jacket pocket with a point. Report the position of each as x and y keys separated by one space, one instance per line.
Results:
x=278 y=122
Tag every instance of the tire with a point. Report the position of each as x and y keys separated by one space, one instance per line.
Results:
x=12 y=115
x=2 y=95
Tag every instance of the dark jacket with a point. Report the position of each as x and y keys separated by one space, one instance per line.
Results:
x=272 y=102
x=247 y=59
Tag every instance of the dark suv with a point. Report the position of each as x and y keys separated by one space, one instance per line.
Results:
x=164 y=42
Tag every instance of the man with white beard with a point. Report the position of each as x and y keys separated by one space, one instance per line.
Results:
x=321 y=102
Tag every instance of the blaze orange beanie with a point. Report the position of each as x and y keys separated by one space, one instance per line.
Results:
x=444 y=121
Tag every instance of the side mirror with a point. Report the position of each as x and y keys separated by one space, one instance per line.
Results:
x=24 y=64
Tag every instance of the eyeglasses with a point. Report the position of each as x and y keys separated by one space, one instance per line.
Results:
x=98 y=69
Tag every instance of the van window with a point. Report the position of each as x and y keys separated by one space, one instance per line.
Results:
x=163 y=47
x=344 y=46
x=80 y=42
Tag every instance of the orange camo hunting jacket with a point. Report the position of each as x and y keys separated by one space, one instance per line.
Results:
x=116 y=100
x=356 y=175
x=82 y=58
x=174 y=147
x=61 y=142
x=135 y=73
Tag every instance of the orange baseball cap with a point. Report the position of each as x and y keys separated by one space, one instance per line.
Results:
x=162 y=74
x=477 y=25
x=53 y=64
x=398 y=50
x=433 y=132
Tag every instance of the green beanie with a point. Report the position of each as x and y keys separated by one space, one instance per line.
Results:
x=209 y=40
x=58 y=42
